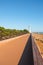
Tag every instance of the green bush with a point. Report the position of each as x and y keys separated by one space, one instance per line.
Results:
x=8 y=33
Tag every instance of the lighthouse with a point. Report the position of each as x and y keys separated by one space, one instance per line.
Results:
x=29 y=29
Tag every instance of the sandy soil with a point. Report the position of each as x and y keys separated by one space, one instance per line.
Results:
x=11 y=50
x=39 y=42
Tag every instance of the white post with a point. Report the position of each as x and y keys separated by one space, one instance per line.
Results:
x=30 y=29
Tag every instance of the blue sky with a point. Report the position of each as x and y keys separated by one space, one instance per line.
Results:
x=20 y=14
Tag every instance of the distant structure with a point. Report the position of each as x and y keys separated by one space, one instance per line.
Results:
x=30 y=29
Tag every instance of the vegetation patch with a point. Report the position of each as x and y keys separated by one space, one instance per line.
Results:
x=39 y=40
x=10 y=33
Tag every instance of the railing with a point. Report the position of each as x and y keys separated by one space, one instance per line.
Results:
x=31 y=54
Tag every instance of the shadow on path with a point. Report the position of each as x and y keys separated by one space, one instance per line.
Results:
x=27 y=56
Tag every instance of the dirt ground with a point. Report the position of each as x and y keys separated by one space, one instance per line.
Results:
x=39 y=42
x=11 y=50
